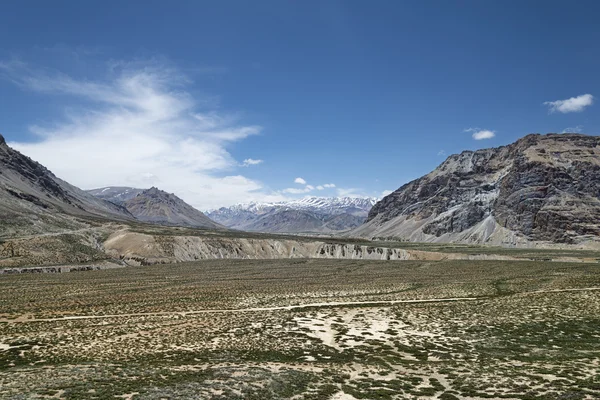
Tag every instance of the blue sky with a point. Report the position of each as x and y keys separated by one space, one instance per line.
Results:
x=363 y=96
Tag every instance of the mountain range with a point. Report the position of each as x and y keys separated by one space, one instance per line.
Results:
x=307 y=215
x=542 y=188
x=156 y=206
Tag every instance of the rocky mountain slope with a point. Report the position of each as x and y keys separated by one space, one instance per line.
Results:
x=159 y=207
x=282 y=220
x=307 y=215
x=542 y=188
x=33 y=200
x=115 y=194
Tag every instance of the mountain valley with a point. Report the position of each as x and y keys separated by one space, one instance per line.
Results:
x=133 y=293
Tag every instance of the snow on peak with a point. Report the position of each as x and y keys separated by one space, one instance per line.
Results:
x=328 y=205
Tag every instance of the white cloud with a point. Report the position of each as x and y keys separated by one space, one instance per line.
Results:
x=250 y=161
x=441 y=153
x=480 y=134
x=350 y=192
x=484 y=134
x=576 y=129
x=342 y=192
x=306 y=189
x=139 y=127
x=325 y=186
x=300 y=181
x=386 y=192
x=573 y=104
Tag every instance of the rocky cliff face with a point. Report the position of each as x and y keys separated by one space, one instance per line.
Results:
x=159 y=207
x=142 y=249
x=540 y=188
x=115 y=194
x=34 y=200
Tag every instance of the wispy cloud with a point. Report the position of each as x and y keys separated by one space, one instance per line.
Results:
x=250 y=161
x=307 y=188
x=575 y=129
x=141 y=126
x=481 y=134
x=441 y=153
x=573 y=104
x=350 y=192
x=342 y=192
x=325 y=186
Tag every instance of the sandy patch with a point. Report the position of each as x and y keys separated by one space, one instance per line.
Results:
x=342 y=396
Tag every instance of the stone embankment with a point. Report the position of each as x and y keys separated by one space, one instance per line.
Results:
x=143 y=249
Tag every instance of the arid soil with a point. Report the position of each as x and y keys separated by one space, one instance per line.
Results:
x=304 y=329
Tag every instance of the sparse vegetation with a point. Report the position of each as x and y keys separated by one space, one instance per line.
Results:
x=228 y=329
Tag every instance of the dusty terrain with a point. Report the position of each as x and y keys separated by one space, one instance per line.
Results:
x=305 y=329
x=137 y=244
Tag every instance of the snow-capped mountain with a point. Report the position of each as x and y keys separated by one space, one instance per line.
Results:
x=307 y=215
x=327 y=205
x=334 y=205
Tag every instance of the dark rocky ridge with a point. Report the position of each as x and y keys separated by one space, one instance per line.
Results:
x=540 y=188
x=159 y=207
x=116 y=194
x=34 y=200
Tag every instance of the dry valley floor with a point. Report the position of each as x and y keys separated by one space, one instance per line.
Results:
x=304 y=329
